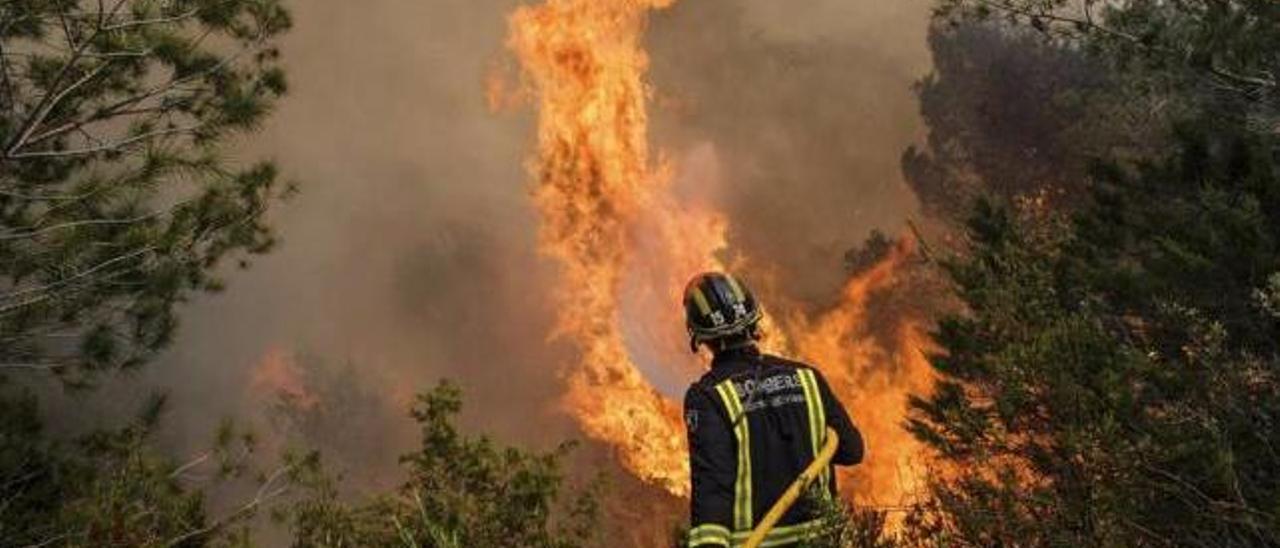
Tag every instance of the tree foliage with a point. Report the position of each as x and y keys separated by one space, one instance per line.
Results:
x=117 y=202
x=461 y=491
x=116 y=199
x=1014 y=116
x=113 y=488
x=1113 y=378
x=1228 y=51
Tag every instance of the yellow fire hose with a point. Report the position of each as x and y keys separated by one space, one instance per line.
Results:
x=788 y=498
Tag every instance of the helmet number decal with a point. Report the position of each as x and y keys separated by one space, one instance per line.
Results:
x=717 y=317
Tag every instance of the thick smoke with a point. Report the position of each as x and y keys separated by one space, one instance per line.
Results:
x=409 y=253
x=809 y=106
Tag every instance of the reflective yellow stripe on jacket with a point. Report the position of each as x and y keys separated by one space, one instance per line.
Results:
x=817 y=421
x=716 y=535
x=781 y=535
x=741 y=431
x=709 y=535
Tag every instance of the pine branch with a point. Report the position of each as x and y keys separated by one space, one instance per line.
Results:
x=110 y=147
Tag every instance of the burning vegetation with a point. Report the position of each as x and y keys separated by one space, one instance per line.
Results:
x=611 y=219
x=1092 y=360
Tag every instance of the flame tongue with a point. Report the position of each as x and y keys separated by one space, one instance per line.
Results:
x=872 y=379
x=594 y=181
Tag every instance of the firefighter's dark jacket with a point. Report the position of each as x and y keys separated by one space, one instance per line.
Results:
x=785 y=407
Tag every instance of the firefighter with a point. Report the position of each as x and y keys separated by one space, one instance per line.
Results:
x=754 y=421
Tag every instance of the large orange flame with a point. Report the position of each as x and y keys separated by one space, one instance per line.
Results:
x=625 y=245
x=872 y=380
x=595 y=187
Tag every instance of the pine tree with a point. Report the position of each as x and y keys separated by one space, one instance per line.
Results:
x=116 y=198
x=1115 y=376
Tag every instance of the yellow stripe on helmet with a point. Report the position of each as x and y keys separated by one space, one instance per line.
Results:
x=737 y=289
x=698 y=297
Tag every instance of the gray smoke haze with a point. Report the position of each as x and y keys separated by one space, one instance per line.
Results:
x=410 y=251
x=810 y=106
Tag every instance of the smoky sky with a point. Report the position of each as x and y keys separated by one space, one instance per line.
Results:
x=409 y=252
x=809 y=106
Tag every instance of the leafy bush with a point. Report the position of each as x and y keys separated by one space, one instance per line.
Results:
x=461 y=491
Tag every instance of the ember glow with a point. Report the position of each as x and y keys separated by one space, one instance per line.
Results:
x=626 y=244
x=276 y=376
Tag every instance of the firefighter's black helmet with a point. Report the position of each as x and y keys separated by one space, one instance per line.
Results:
x=718 y=307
